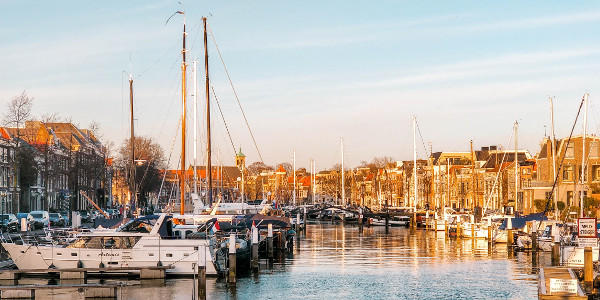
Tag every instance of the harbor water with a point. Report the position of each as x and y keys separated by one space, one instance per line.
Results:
x=336 y=261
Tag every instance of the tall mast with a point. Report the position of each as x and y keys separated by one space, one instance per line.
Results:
x=415 y=161
x=473 y=191
x=294 y=174
x=195 y=63
x=183 y=121
x=208 y=147
x=583 y=155
x=516 y=166
x=132 y=174
x=343 y=175
x=553 y=158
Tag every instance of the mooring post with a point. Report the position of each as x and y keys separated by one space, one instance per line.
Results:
x=23 y=224
x=413 y=221
x=534 y=241
x=556 y=254
x=201 y=281
x=360 y=219
x=588 y=267
x=270 y=240
x=458 y=229
x=509 y=234
x=490 y=231
x=254 y=248
x=298 y=222
x=232 y=258
x=304 y=227
x=472 y=230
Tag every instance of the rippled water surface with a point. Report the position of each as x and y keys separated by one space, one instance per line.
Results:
x=337 y=262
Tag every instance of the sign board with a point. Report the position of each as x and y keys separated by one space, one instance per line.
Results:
x=586 y=227
x=563 y=286
x=587 y=242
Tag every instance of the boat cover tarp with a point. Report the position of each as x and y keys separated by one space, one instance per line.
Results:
x=262 y=221
x=109 y=223
x=520 y=221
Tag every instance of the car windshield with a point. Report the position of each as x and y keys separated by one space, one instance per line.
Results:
x=54 y=215
x=37 y=216
x=4 y=217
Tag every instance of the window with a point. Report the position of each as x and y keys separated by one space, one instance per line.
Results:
x=596 y=173
x=568 y=173
x=594 y=149
x=569 y=198
x=570 y=151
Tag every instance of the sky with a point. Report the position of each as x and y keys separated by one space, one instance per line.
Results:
x=310 y=73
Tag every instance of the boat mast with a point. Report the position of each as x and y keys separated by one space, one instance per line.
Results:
x=132 y=141
x=516 y=166
x=583 y=154
x=294 y=174
x=415 y=162
x=553 y=158
x=195 y=70
x=208 y=147
x=183 y=121
x=343 y=175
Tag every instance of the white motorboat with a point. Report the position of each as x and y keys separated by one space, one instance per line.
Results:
x=393 y=221
x=142 y=242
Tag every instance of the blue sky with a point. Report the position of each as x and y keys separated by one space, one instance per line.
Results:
x=308 y=73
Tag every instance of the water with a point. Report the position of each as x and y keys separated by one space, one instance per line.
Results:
x=337 y=262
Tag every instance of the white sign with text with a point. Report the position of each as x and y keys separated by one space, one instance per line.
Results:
x=586 y=227
x=562 y=286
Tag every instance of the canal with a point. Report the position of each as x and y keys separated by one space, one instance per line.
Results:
x=335 y=261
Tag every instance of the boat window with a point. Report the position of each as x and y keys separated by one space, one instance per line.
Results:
x=99 y=242
x=73 y=254
x=187 y=232
x=169 y=255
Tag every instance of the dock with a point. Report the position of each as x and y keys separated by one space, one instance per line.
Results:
x=559 y=283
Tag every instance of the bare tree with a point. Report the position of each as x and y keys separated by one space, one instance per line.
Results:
x=17 y=112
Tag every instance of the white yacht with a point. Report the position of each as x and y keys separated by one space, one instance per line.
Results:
x=142 y=242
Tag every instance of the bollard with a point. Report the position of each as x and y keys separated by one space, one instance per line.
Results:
x=232 y=258
x=254 y=248
x=201 y=282
x=509 y=233
x=534 y=237
x=556 y=254
x=413 y=221
x=304 y=227
x=426 y=220
x=588 y=266
x=490 y=231
x=270 y=241
x=298 y=227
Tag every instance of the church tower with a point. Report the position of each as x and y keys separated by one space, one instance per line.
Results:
x=240 y=160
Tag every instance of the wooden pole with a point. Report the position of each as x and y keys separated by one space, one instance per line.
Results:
x=446 y=229
x=254 y=248
x=556 y=254
x=458 y=229
x=270 y=241
x=201 y=282
x=208 y=141
x=232 y=258
x=588 y=268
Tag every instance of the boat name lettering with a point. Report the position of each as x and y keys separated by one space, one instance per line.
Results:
x=108 y=254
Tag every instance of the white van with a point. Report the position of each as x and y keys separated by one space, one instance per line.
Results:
x=41 y=216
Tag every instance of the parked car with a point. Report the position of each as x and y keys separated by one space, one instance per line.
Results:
x=85 y=216
x=31 y=224
x=56 y=219
x=42 y=217
x=8 y=222
x=66 y=217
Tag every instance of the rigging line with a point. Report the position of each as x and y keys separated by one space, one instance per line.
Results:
x=234 y=92
x=176 y=79
x=159 y=59
x=223 y=117
x=420 y=135
x=489 y=198
x=550 y=196
x=170 y=154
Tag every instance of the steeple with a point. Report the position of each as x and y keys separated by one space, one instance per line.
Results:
x=240 y=160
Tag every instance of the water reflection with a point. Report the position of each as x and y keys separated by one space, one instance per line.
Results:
x=337 y=261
